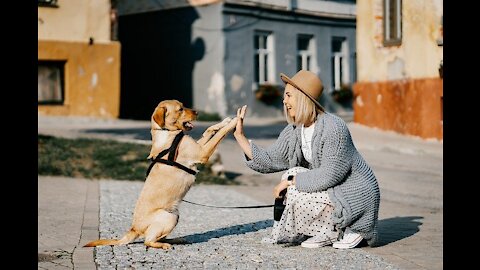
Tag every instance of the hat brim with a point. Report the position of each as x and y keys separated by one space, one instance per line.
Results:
x=286 y=79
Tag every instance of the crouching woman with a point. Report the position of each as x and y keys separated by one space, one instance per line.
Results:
x=332 y=195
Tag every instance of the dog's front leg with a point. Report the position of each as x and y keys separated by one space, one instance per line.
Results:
x=211 y=145
x=208 y=134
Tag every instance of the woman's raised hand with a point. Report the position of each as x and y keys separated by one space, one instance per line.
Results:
x=239 y=135
x=240 y=114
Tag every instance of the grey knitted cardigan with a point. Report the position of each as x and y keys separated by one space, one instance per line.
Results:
x=336 y=167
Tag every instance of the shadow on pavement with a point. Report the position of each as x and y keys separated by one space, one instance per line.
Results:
x=397 y=228
x=232 y=230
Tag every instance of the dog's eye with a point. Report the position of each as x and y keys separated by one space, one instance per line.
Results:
x=181 y=109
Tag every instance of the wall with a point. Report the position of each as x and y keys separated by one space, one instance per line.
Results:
x=419 y=54
x=399 y=87
x=413 y=107
x=239 y=52
x=92 y=72
x=75 y=21
x=205 y=60
x=208 y=71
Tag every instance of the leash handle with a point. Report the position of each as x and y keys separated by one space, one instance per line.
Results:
x=238 y=207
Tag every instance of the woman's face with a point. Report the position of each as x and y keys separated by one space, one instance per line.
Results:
x=289 y=100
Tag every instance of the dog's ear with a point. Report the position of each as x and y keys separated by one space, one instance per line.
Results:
x=159 y=116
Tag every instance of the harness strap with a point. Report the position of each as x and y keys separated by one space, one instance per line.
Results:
x=171 y=156
x=178 y=165
x=173 y=149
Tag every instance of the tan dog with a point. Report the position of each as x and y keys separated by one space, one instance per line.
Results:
x=156 y=212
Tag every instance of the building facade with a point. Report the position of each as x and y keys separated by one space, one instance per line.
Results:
x=216 y=56
x=400 y=66
x=78 y=63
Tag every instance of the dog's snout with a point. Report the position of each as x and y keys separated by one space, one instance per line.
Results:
x=195 y=112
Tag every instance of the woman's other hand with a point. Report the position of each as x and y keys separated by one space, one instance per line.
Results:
x=278 y=188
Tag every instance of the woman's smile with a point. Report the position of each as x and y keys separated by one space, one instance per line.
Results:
x=289 y=100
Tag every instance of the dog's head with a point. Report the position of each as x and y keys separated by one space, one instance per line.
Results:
x=172 y=115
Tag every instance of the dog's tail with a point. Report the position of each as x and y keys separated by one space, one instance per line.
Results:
x=127 y=238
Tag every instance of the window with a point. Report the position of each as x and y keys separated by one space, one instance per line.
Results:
x=392 y=11
x=305 y=52
x=340 y=63
x=264 y=62
x=50 y=82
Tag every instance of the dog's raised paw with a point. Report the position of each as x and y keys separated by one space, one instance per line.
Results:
x=227 y=120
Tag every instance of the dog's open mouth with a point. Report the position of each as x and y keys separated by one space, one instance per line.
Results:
x=188 y=125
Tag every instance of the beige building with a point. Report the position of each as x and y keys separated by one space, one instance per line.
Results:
x=400 y=66
x=78 y=63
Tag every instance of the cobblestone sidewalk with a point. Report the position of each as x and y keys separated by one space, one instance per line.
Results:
x=216 y=238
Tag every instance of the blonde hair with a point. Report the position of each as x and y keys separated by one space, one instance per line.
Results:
x=305 y=110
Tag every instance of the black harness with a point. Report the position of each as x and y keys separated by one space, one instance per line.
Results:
x=172 y=151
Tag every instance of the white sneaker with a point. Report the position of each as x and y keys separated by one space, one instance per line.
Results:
x=350 y=240
x=317 y=241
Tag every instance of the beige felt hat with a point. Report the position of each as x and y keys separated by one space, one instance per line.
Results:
x=308 y=83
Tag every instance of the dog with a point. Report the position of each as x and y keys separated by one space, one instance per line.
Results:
x=156 y=211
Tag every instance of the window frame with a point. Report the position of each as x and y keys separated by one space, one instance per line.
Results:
x=340 y=64
x=60 y=64
x=309 y=52
x=397 y=40
x=269 y=54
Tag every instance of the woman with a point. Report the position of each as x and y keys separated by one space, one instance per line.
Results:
x=332 y=194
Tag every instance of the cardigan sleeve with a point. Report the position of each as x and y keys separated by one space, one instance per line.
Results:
x=335 y=162
x=273 y=158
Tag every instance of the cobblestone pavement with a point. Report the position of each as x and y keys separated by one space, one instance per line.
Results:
x=409 y=171
x=215 y=238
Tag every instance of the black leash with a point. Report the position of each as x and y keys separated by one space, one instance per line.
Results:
x=241 y=207
x=171 y=161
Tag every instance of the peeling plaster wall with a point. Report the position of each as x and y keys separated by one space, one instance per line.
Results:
x=411 y=107
x=92 y=78
x=75 y=21
x=418 y=56
x=208 y=72
x=399 y=87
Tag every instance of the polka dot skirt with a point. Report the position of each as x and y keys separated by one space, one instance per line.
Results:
x=305 y=214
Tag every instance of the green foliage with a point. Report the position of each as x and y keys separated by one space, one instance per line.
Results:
x=268 y=93
x=102 y=159
x=91 y=158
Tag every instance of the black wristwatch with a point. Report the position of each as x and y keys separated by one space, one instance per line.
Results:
x=289 y=179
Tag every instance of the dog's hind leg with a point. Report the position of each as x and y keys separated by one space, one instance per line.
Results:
x=162 y=225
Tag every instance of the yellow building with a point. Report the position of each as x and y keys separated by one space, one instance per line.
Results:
x=400 y=66
x=78 y=63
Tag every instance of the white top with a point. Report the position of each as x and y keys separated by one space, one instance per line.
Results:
x=307 y=134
